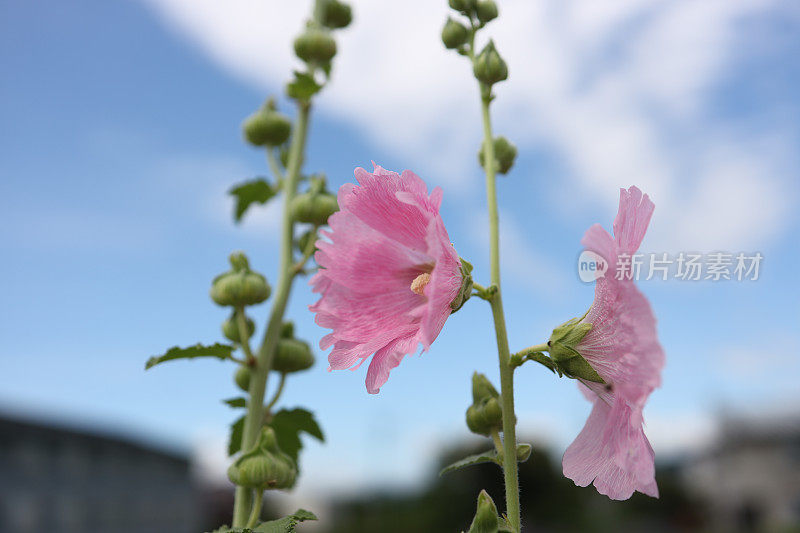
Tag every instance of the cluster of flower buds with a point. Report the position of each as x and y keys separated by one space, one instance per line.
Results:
x=265 y=466
x=267 y=126
x=315 y=205
x=485 y=414
x=240 y=286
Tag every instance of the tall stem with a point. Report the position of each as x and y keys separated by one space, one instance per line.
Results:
x=258 y=381
x=496 y=301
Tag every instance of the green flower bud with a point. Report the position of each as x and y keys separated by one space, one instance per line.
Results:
x=315 y=45
x=267 y=127
x=240 y=286
x=486 y=519
x=242 y=377
x=230 y=328
x=287 y=330
x=466 y=286
x=315 y=205
x=504 y=154
x=489 y=67
x=335 y=14
x=303 y=240
x=454 y=34
x=563 y=342
x=523 y=452
x=482 y=388
x=485 y=416
x=265 y=466
x=292 y=355
x=486 y=10
x=464 y=6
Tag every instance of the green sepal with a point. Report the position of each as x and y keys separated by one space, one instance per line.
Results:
x=563 y=342
x=482 y=388
x=257 y=191
x=220 y=351
x=486 y=519
x=465 y=291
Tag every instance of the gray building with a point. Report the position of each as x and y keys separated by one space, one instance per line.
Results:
x=60 y=480
x=751 y=477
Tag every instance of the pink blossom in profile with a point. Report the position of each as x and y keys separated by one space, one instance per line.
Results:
x=622 y=346
x=388 y=273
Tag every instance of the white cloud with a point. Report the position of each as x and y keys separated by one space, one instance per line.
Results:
x=618 y=89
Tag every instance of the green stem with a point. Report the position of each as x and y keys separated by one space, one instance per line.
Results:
x=256 y=512
x=533 y=349
x=244 y=337
x=272 y=161
x=498 y=443
x=258 y=381
x=506 y=371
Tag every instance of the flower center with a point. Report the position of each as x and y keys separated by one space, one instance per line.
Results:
x=420 y=282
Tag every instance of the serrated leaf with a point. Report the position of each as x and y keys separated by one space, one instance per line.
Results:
x=220 y=351
x=287 y=524
x=288 y=424
x=303 y=87
x=235 y=402
x=248 y=193
x=235 y=442
x=476 y=459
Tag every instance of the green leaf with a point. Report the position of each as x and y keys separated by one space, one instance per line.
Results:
x=287 y=524
x=237 y=428
x=489 y=456
x=236 y=402
x=288 y=424
x=303 y=87
x=220 y=351
x=250 y=192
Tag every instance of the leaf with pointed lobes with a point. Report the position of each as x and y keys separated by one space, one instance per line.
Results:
x=220 y=351
x=257 y=191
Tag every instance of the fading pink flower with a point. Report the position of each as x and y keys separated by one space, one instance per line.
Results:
x=622 y=347
x=387 y=276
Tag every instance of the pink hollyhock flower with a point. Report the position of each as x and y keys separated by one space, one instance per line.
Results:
x=622 y=348
x=388 y=276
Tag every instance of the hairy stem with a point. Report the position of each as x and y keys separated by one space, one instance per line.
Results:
x=506 y=370
x=258 y=381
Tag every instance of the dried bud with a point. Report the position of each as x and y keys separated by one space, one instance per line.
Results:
x=240 y=286
x=504 y=154
x=315 y=45
x=335 y=14
x=486 y=10
x=454 y=34
x=489 y=67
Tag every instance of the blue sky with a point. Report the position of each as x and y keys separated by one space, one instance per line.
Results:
x=120 y=135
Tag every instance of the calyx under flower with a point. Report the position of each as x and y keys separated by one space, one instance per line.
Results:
x=563 y=350
x=466 y=286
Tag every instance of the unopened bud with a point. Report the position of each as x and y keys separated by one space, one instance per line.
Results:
x=240 y=286
x=265 y=466
x=464 y=6
x=267 y=127
x=485 y=416
x=304 y=241
x=335 y=14
x=489 y=67
x=486 y=10
x=486 y=519
x=505 y=153
x=292 y=355
x=230 y=328
x=315 y=205
x=315 y=45
x=287 y=330
x=482 y=388
x=454 y=34
x=242 y=378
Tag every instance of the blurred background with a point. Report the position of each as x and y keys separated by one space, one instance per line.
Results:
x=120 y=130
